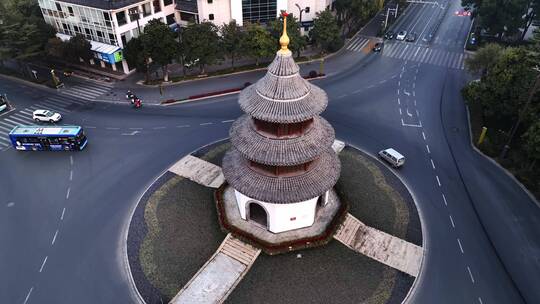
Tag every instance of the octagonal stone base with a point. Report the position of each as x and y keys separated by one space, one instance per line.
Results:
x=327 y=219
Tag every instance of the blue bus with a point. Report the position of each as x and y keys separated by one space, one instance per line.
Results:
x=48 y=138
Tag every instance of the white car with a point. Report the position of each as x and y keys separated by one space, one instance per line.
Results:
x=46 y=115
x=393 y=157
x=401 y=35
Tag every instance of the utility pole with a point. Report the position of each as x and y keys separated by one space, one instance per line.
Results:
x=135 y=12
x=521 y=116
x=301 y=10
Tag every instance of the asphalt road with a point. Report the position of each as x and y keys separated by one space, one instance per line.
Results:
x=64 y=215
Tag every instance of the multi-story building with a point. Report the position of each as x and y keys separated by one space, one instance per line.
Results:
x=223 y=11
x=107 y=24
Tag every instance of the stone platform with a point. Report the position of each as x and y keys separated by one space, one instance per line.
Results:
x=327 y=220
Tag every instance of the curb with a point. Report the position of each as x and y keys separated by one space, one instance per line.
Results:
x=27 y=82
x=508 y=173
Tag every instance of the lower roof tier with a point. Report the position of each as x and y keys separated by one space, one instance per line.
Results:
x=282 y=190
x=281 y=152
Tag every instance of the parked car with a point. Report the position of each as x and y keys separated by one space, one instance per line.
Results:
x=46 y=116
x=411 y=37
x=389 y=35
x=393 y=157
x=377 y=47
x=401 y=35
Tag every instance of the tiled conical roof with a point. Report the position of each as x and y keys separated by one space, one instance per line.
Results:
x=282 y=95
x=281 y=152
x=281 y=190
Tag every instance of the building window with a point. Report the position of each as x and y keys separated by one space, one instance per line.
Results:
x=146 y=9
x=58 y=7
x=259 y=10
x=211 y=17
x=88 y=34
x=210 y=1
x=70 y=9
x=100 y=34
x=77 y=29
x=170 y=19
x=65 y=26
x=167 y=2
x=121 y=17
x=134 y=14
x=187 y=17
x=112 y=38
x=157 y=6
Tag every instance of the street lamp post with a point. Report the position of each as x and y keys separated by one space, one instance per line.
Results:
x=301 y=10
x=521 y=115
x=135 y=12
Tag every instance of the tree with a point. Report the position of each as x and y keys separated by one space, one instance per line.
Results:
x=484 y=59
x=231 y=38
x=137 y=57
x=501 y=18
x=325 y=32
x=258 y=42
x=297 y=41
x=531 y=143
x=78 y=48
x=504 y=90
x=201 y=43
x=352 y=13
x=55 y=47
x=159 y=43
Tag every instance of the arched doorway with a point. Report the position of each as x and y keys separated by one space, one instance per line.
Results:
x=257 y=214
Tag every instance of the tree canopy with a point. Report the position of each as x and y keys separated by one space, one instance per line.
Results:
x=78 y=47
x=232 y=37
x=201 y=43
x=159 y=43
x=136 y=56
x=258 y=42
x=484 y=59
x=325 y=32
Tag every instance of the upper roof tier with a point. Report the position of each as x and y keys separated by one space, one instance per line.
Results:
x=282 y=95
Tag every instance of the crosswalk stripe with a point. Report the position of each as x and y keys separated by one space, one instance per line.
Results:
x=15 y=123
x=52 y=106
x=429 y=56
x=392 y=50
x=27 y=111
x=34 y=107
x=22 y=115
x=412 y=53
x=426 y=50
x=436 y=54
x=415 y=54
x=360 y=46
x=401 y=53
x=6 y=137
x=59 y=102
x=86 y=92
x=447 y=59
x=398 y=49
x=100 y=89
x=73 y=94
x=388 y=49
x=352 y=43
x=359 y=42
x=455 y=60
x=68 y=100
x=458 y=63
x=20 y=120
x=6 y=128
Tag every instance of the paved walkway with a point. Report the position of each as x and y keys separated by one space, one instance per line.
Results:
x=380 y=246
x=220 y=275
x=199 y=171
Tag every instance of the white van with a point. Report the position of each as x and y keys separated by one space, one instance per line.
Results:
x=393 y=157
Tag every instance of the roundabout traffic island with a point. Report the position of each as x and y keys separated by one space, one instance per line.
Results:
x=281 y=187
x=175 y=231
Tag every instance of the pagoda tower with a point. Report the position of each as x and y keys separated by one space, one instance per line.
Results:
x=281 y=165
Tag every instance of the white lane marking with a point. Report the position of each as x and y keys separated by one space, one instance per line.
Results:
x=415 y=54
x=406 y=93
x=480 y=300
x=399 y=83
x=54 y=237
x=71 y=159
x=226 y=121
x=183 y=126
x=470 y=274
x=135 y=128
x=427 y=148
x=400 y=111
x=398 y=102
x=460 y=247
x=417 y=113
x=67 y=194
x=398 y=91
x=28 y=295
x=90 y=127
x=432 y=164
x=71 y=175
x=43 y=264
x=63 y=212
x=131 y=134
x=409 y=113
x=206 y=123
x=444 y=199
x=438 y=180
x=158 y=128
x=452 y=221
x=413 y=85
x=424 y=135
x=112 y=128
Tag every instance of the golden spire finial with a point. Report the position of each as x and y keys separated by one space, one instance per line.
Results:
x=284 y=39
